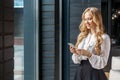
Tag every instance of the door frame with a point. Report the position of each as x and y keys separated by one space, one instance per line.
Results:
x=31 y=39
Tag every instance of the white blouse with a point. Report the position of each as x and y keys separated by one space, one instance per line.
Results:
x=96 y=61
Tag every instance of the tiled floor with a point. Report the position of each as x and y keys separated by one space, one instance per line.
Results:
x=19 y=62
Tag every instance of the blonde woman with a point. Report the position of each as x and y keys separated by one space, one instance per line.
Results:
x=92 y=48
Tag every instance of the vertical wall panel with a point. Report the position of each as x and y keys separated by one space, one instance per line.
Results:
x=48 y=42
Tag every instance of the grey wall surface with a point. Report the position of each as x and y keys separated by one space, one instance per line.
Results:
x=48 y=39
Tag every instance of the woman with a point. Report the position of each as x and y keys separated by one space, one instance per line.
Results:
x=92 y=48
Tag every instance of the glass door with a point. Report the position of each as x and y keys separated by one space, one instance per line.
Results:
x=26 y=40
x=18 y=40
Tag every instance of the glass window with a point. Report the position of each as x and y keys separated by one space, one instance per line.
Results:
x=18 y=3
x=18 y=40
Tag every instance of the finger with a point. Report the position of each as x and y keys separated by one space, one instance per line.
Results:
x=78 y=49
x=82 y=52
x=71 y=47
x=78 y=52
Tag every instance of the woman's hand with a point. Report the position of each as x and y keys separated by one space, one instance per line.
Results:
x=72 y=50
x=83 y=52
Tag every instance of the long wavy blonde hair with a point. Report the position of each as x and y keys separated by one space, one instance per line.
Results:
x=99 y=31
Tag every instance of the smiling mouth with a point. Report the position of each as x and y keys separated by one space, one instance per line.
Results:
x=88 y=25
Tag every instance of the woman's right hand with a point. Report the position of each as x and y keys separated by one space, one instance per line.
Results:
x=72 y=50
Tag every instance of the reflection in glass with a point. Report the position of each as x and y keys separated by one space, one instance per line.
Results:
x=18 y=40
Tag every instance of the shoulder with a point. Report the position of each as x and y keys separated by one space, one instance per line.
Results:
x=106 y=37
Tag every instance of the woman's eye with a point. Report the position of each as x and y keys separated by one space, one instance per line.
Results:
x=88 y=19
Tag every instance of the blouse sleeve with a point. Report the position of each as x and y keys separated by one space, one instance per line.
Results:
x=100 y=61
x=76 y=59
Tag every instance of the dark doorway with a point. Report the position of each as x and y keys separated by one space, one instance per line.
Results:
x=115 y=34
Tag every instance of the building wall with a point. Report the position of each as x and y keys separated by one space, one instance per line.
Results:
x=48 y=39
x=76 y=9
x=6 y=40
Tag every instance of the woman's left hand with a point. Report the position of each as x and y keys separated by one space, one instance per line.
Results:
x=83 y=52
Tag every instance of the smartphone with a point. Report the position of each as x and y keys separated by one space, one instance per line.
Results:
x=70 y=44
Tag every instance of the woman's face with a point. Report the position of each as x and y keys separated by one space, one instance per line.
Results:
x=89 y=20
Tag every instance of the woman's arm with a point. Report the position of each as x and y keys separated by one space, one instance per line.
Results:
x=76 y=58
x=100 y=61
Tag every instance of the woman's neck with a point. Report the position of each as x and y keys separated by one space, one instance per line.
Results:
x=92 y=31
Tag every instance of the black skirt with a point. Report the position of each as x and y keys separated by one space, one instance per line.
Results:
x=86 y=72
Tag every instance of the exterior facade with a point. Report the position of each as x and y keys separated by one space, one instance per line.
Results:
x=49 y=25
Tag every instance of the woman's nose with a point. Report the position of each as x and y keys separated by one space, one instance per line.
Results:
x=87 y=21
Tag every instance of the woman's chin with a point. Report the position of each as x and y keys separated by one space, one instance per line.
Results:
x=88 y=27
